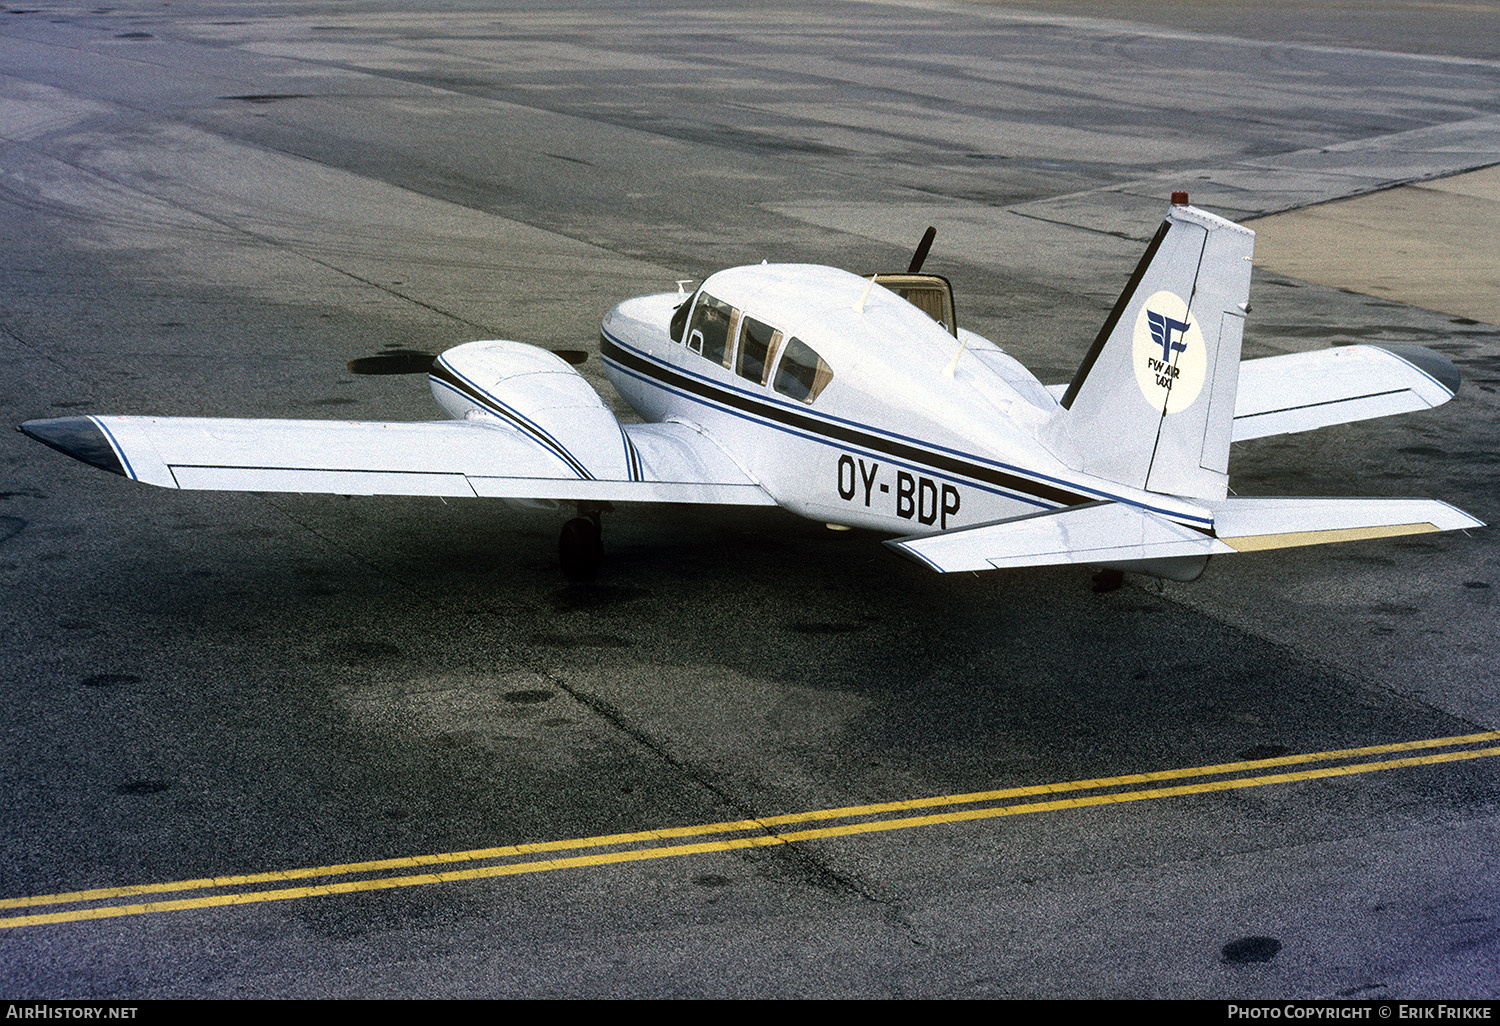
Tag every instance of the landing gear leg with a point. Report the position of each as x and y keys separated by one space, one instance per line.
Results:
x=580 y=547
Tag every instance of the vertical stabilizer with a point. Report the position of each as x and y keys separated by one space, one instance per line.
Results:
x=1152 y=405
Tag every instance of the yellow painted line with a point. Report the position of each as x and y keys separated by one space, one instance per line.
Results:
x=732 y=826
x=759 y=840
x=1292 y=539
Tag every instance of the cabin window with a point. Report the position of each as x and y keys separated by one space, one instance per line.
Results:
x=929 y=293
x=801 y=374
x=708 y=333
x=758 y=342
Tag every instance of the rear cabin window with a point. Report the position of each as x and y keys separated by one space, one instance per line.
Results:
x=758 y=342
x=801 y=374
x=708 y=333
x=930 y=293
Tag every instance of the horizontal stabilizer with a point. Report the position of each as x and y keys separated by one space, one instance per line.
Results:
x=475 y=457
x=1094 y=533
x=1114 y=534
x=1250 y=524
x=1302 y=391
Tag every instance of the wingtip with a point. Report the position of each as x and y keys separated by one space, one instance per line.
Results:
x=79 y=437
x=1473 y=521
x=1434 y=364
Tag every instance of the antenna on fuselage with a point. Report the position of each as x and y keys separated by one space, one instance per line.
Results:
x=948 y=371
x=681 y=282
x=859 y=304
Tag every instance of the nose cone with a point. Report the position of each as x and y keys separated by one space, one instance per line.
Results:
x=79 y=437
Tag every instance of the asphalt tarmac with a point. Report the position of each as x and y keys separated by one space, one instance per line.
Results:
x=308 y=746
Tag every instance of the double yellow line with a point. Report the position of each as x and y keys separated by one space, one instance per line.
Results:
x=512 y=860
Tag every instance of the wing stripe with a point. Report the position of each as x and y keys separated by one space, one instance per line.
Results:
x=119 y=451
x=446 y=375
x=632 y=458
x=1325 y=402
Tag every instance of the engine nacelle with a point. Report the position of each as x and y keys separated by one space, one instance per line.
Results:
x=538 y=395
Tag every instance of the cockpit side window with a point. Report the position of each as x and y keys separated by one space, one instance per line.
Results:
x=708 y=333
x=679 y=319
x=801 y=374
x=758 y=342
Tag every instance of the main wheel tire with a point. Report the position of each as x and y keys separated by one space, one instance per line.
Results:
x=580 y=549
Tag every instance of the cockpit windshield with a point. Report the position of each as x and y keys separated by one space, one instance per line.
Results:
x=709 y=331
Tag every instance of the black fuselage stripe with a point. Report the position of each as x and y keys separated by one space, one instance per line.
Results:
x=835 y=432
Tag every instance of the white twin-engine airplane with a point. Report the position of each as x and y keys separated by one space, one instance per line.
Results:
x=858 y=401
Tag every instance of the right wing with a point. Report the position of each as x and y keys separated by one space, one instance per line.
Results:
x=479 y=456
x=1302 y=391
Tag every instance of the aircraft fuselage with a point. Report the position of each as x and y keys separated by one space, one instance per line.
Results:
x=876 y=428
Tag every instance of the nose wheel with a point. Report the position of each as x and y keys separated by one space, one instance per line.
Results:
x=580 y=547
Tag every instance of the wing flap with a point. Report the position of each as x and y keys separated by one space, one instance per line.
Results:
x=1302 y=391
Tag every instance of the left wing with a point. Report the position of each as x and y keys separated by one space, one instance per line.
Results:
x=480 y=456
